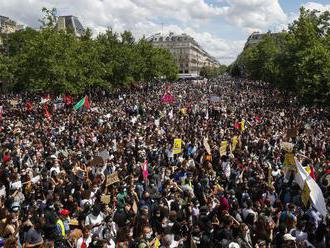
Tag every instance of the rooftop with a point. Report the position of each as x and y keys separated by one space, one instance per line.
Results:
x=171 y=37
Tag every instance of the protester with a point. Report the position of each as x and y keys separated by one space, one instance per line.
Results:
x=203 y=166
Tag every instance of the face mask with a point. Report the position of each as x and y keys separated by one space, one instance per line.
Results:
x=149 y=235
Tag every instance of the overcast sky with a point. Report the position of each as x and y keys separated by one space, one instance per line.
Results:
x=220 y=26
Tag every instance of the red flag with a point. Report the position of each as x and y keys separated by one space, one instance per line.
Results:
x=28 y=106
x=68 y=100
x=237 y=125
x=312 y=173
x=1 y=112
x=168 y=98
x=145 y=170
x=86 y=103
x=47 y=114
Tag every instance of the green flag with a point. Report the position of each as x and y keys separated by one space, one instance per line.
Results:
x=83 y=102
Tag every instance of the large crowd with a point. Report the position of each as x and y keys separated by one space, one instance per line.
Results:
x=108 y=176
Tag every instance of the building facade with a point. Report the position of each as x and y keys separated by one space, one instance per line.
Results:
x=70 y=23
x=188 y=54
x=7 y=26
x=256 y=37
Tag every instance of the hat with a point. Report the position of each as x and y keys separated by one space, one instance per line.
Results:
x=74 y=222
x=288 y=237
x=15 y=206
x=233 y=245
x=53 y=156
x=64 y=212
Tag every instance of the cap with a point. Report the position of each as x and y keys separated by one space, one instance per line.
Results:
x=64 y=212
x=15 y=206
x=288 y=237
x=233 y=245
x=53 y=156
x=74 y=222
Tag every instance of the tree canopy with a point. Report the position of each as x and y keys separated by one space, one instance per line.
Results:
x=297 y=60
x=57 y=61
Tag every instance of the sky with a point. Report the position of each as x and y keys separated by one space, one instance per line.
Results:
x=221 y=27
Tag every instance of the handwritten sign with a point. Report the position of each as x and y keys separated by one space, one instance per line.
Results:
x=112 y=178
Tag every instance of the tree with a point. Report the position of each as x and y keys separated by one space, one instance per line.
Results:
x=58 y=62
x=298 y=60
x=49 y=19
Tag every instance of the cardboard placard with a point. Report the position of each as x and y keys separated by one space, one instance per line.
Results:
x=105 y=199
x=286 y=146
x=97 y=161
x=13 y=102
x=112 y=178
x=291 y=133
x=289 y=162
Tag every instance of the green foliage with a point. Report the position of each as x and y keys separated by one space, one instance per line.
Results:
x=298 y=60
x=57 y=62
x=49 y=19
x=212 y=72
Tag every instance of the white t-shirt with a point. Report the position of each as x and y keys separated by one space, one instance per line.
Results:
x=95 y=220
x=298 y=234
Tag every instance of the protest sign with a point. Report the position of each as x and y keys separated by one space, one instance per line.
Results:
x=13 y=102
x=35 y=179
x=223 y=148
x=234 y=142
x=104 y=155
x=3 y=191
x=105 y=199
x=206 y=145
x=243 y=125
x=97 y=161
x=16 y=185
x=215 y=99
x=112 y=178
x=289 y=161
x=286 y=146
x=305 y=194
x=177 y=146
x=316 y=195
x=291 y=133
x=183 y=111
